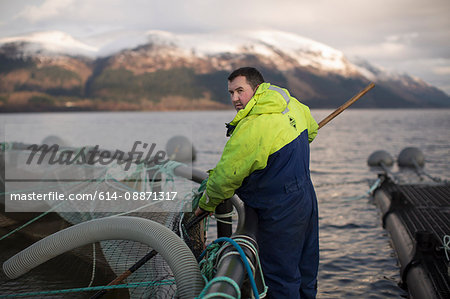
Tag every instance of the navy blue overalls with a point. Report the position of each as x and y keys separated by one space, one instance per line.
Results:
x=283 y=196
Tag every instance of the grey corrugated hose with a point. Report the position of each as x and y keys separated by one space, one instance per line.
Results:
x=176 y=253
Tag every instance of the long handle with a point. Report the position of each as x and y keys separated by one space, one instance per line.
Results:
x=345 y=105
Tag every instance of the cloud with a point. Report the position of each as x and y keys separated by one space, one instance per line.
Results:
x=442 y=70
x=47 y=10
x=405 y=38
x=386 y=51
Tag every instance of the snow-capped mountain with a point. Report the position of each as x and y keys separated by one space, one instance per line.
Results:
x=269 y=44
x=283 y=50
x=50 y=42
x=316 y=73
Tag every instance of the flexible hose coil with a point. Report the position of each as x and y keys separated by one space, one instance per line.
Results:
x=176 y=253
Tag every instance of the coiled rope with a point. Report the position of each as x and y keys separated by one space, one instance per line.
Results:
x=211 y=253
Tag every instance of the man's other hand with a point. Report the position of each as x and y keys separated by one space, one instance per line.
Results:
x=200 y=211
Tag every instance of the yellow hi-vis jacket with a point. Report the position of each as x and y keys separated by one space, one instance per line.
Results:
x=270 y=120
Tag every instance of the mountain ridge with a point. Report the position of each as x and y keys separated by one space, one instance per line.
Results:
x=37 y=75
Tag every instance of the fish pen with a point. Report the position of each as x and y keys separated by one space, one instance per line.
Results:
x=415 y=210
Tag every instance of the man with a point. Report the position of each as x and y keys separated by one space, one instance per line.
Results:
x=266 y=163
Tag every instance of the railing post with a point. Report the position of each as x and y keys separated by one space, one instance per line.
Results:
x=224 y=226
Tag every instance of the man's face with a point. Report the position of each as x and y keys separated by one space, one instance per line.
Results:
x=240 y=92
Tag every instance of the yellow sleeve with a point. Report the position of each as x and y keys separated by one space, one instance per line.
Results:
x=313 y=127
x=246 y=151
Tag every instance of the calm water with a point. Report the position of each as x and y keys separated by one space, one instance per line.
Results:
x=357 y=260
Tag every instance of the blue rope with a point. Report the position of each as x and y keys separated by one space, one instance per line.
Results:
x=244 y=260
x=369 y=192
x=31 y=221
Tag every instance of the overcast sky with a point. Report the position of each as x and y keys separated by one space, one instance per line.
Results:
x=411 y=36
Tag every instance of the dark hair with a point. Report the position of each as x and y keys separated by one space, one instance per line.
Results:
x=253 y=76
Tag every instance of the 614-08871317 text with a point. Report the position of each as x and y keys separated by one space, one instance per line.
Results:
x=138 y=195
x=97 y=195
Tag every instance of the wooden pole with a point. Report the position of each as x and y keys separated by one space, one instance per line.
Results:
x=345 y=105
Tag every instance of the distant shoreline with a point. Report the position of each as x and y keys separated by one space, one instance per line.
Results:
x=77 y=109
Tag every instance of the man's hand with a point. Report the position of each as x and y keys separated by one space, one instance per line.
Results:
x=200 y=211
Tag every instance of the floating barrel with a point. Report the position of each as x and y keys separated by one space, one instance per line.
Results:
x=411 y=157
x=53 y=139
x=180 y=148
x=380 y=157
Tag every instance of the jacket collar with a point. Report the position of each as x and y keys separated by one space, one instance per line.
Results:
x=246 y=111
x=248 y=108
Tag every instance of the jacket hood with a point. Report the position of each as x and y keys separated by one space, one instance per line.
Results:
x=264 y=101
